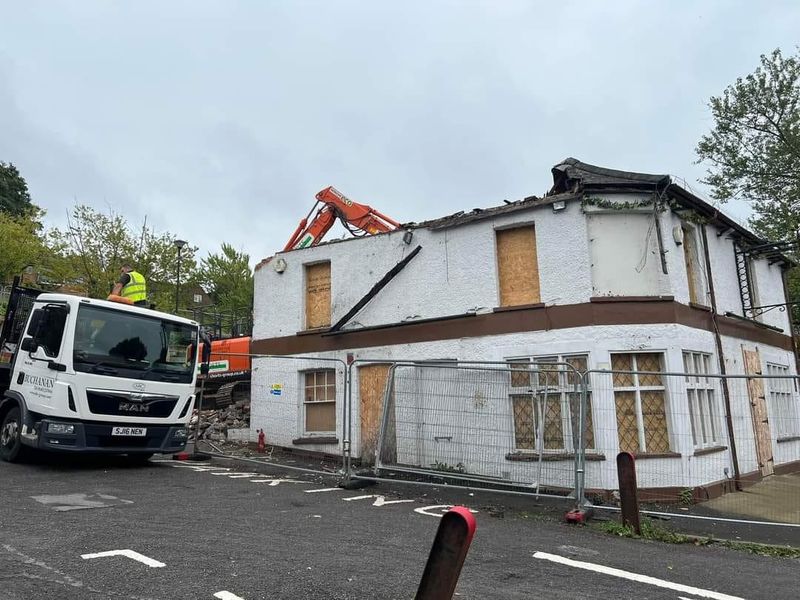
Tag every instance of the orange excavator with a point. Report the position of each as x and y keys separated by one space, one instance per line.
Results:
x=228 y=379
x=358 y=219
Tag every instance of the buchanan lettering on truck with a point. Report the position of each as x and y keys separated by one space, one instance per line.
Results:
x=84 y=375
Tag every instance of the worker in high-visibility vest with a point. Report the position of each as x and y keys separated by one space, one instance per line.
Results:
x=131 y=285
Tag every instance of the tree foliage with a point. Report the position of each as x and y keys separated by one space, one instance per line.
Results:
x=754 y=147
x=94 y=245
x=228 y=278
x=14 y=196
x=21 y=245
x=753 y=150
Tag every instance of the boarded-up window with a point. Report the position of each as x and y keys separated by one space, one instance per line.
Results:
x=318 y=295
x=640 y=403
x=624 y=253
x=320 y=401
x=691 y=257
x=518 y=266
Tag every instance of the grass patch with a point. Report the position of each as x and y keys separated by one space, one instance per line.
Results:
x=658 y=533
x=762 y=549
x=650 y=531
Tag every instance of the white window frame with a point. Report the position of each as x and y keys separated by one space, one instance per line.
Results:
x=307 y=402
x=784 y=404
x=563 y=389
x=637 y=390
x=704 y=413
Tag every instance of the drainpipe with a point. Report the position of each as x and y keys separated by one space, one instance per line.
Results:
x=721 y=358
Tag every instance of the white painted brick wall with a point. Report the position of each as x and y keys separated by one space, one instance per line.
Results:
x=281 y=417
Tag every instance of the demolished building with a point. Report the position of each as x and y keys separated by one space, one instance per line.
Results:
x=611 y=270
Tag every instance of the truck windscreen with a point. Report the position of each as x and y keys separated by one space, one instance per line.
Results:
x=123 y=344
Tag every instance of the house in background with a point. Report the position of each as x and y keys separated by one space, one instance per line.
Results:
x=610 y=270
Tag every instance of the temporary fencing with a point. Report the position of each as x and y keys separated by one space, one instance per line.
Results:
x=706 y=445
x=491 y=425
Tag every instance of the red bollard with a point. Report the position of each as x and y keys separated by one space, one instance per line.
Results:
x=447 y=555
x=262 y=441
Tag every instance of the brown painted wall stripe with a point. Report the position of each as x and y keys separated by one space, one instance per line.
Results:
x=531 y=319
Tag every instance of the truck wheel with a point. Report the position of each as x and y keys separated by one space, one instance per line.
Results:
x=10 y=444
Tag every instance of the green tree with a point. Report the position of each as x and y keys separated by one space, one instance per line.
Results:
x=22 y=246
x=14 y=196
x=753 y=150
x=94 y=245
x=228 y=279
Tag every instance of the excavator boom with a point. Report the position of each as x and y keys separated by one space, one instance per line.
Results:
x=358 y=219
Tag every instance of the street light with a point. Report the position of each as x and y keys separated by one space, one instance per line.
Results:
x=179 y=244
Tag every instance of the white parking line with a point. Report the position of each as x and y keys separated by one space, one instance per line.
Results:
x=678 y=587
x=241 y=475
x=128 y=554
x=379 y=500
x=441 y=508
x=274 y=482
x=225 y=595
x=336 y=489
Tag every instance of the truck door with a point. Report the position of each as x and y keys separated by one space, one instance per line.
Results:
x=40 y=359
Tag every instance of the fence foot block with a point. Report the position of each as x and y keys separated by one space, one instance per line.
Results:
x=578 y=515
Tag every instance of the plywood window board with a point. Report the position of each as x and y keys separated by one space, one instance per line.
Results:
x=518 y=266
x=691 y=256
x=371 y=387
x=318 y=295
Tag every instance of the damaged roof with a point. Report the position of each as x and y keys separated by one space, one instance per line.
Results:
x=478 y=214
x=576 y=177
x=570 y=175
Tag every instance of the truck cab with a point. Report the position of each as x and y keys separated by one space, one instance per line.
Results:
x=86 y=375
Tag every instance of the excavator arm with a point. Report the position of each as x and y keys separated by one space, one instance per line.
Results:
x=358 y=219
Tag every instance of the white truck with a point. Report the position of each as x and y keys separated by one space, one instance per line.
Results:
x=85 y=375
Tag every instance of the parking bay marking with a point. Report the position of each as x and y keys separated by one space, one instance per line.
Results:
x=226 y=595
x=678 y=587
x=379 y=500
x=128 y=554
x=274 y=482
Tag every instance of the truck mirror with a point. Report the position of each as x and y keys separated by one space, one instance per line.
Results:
x=29 y=345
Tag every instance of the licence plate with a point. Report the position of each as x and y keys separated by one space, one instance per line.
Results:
x=130 y=431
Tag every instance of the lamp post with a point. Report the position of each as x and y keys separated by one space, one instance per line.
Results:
x=179 y=244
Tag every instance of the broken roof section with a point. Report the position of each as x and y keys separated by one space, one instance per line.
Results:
x=478 y=214
x=576 y=177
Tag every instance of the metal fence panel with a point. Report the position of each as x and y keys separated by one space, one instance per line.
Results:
x=726 y=446
x=496 y=425
x=299 y=401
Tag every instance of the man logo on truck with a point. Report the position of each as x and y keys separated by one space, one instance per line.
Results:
x=133 y=407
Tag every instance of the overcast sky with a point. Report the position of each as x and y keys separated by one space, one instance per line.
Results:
x=219 y=121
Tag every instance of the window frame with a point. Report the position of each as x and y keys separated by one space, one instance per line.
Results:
x=306 y=401
x=637 y=390
x=787 y=416
x=564 y=390
x=701 y=393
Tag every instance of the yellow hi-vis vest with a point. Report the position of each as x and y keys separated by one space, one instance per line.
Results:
x=136 y=289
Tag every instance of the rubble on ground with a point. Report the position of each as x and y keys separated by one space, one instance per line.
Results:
x=215 y=423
